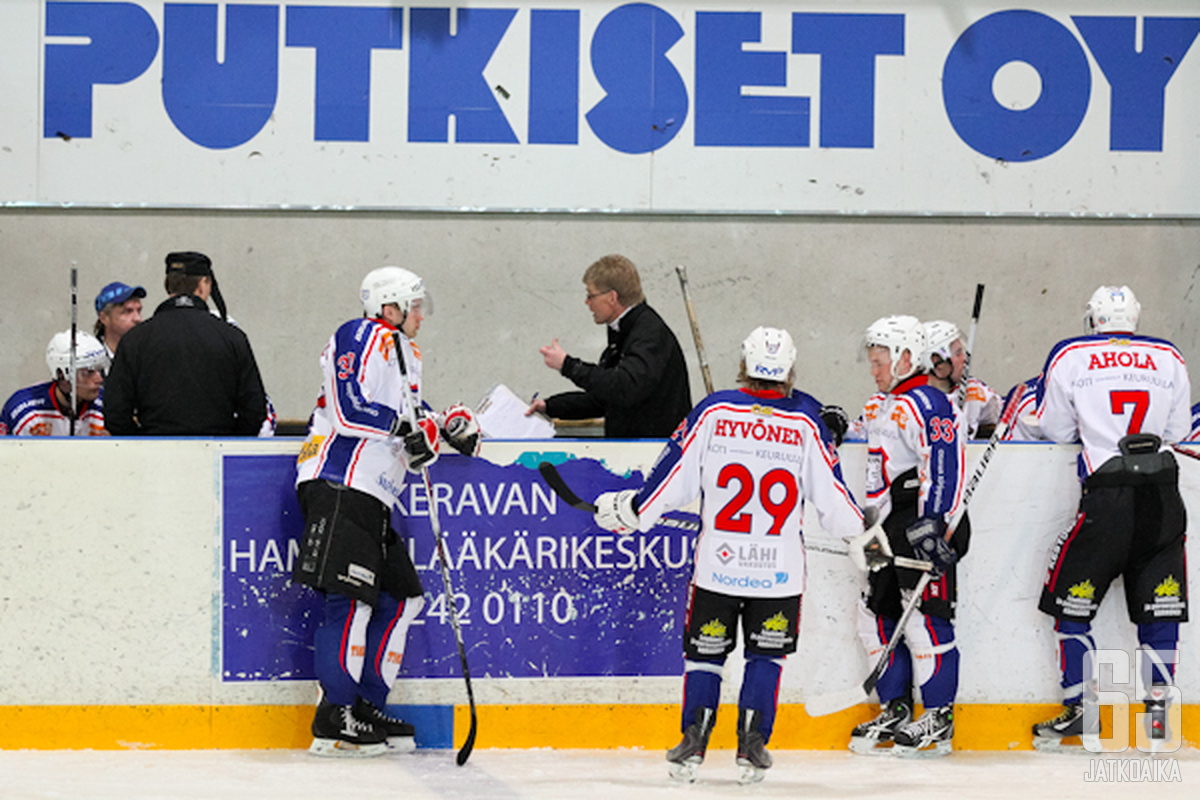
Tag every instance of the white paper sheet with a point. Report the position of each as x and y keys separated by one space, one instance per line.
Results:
x=501 y=415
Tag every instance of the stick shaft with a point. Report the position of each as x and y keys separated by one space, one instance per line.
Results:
x=691 y=312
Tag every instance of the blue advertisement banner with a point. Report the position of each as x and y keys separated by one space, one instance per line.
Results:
x=540 y=589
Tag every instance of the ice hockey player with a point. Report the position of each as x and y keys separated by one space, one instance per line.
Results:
x=350 y=474
x=915 y=460
x=753 y=455
x=1023 y=427
x=1125 y=396
x=980 y=405
x=44 y=409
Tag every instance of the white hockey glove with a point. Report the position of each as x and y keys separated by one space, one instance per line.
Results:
x=461 y=430
x=615 y=511
x=870 y=550
x=420 y=445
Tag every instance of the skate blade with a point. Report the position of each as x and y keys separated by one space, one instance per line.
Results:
x=1060 y=744
x=748 y=773
x=937 y=750
x=865 y=746
x=336 y=748
x=399 y=745
x=684 y=771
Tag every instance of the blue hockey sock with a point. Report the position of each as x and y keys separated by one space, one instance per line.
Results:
x=940 y=688
x=1074 y=641
x=760 y=690
x=701 y=688
x=373 y=687
x=896 y=680
x=1163 y=638
x=329 y=656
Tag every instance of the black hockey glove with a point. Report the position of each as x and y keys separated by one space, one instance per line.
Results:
x=928 y=539
x=836 y=420
x=420 y=445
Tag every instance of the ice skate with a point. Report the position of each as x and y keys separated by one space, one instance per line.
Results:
x=931 y=734
x=874 y=737
x=753 y=760
x=401 y=736
x=685 y=758
x=338 y=733
x=1063 y=733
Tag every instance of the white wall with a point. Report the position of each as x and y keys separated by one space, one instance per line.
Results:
x=110 y=583
x=505 y=284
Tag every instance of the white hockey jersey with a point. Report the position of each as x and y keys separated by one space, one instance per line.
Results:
x=34 y=411
x=1023 y=427
x=915 y=425
x=753 y=458
x=362 y=396
x=983 y=406
x=1194 y=436
x=1100 y=388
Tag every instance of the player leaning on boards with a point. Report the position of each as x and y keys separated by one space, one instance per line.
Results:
x=44 y=409
x=915 y=461
x=1124 y=396
x=753 y=455
x=350 y=473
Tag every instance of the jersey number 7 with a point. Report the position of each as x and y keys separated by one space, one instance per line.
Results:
x=1138 y=398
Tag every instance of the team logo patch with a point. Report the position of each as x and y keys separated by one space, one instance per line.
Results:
x=725 y=554
x=345 y=364
x=1084 y=591
x=778 y=623
x=1168 y=588
x=714 y=628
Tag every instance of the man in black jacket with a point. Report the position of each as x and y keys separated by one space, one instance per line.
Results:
x=640 y=385
x=185 y=371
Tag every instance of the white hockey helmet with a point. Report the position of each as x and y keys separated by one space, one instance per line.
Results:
x=89 y=353
x=898 y=333
x=769 y=354
x=391 y=285
x=940 y=337
x=1112 y=309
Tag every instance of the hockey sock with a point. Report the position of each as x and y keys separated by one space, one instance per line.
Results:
x=1162 y=639
x=338 y=646
x=760 y=690
x=701 y=688
x=386 y=635
x=1074 y=642
x=937 y=660
x=896 y=680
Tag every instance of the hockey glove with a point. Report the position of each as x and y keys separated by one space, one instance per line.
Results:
x=461 y=430
x=615 y=511
x=420 y=445
x=928 y=539
x=836 y=420
x=870 y=551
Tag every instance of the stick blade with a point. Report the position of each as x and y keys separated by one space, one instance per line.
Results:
x=469 y=745
x=824 y=704
x=559 y=486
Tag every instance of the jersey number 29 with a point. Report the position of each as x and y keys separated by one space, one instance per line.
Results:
x=731 y=518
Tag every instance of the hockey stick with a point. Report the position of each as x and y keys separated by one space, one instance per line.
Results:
x=836 y=701
x=554 y=480
x=443 y=561
x=691 y=312
x=961 y=394
x=1182 y=448
x=71 y=414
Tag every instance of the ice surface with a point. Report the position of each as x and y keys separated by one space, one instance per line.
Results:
x=557 y=774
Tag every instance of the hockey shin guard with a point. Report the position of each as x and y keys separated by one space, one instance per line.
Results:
x=1074 y=642
x=760 y=690
x=931 y=640
x=701 y=688
x=1159 y=651
x=386 y=636
x=875 y=632
x=338 y=647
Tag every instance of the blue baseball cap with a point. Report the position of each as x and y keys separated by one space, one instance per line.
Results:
x=117 y=292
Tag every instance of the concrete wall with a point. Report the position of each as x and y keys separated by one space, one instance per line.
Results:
x=504 y=284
